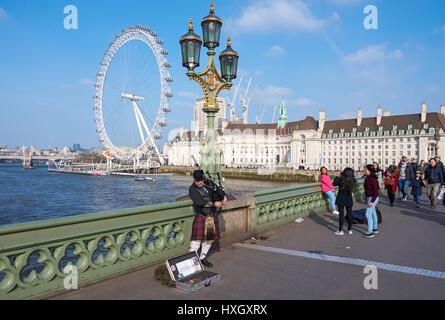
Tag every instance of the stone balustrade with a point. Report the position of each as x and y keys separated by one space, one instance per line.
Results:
x=33 y=256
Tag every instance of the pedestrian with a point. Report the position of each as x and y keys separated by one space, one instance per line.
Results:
x=439 y=163
x=346 y=182
x=372 y=199
x=414 y=165
x=433 y=180
x=406 y=174
x=422 y=167
x=391 y=182
x=416 y=188
x=327 y=188
x=378 y=173
x=205 y=217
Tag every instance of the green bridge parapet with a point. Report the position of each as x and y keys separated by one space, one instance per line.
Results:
x=33 y=256
x=100 y=246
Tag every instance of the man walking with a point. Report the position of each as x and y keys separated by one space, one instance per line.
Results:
x=406 y=174
x=433 y=180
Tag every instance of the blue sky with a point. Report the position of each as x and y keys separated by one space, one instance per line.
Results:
x=315 y=54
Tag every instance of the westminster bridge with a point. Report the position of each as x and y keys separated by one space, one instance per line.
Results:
x=263 y=253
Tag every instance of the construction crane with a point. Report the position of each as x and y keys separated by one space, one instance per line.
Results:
x=274 y=113
x=231 y=102
x=246 y=100
x=258 y=120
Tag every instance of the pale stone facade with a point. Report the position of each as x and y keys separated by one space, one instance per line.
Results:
x=310 y=143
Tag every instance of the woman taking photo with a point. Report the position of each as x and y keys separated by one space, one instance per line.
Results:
x=346 y=182
x=391 y=182
x=327 y=187
x=372 y=198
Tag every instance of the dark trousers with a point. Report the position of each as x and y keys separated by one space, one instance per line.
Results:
x=391 y=195
x=341 y=211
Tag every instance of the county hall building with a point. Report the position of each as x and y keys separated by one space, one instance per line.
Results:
x=335 y=144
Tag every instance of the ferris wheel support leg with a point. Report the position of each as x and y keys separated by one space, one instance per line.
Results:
x=137 y=113
x=149 y=135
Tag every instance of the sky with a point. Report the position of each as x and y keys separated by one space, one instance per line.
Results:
x=314 y=54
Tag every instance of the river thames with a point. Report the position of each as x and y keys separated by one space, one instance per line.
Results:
x=35 y=195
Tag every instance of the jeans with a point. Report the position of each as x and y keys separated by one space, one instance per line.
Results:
x=331 y=196
x=417 y=199
x=371 y=215
x=403 y=187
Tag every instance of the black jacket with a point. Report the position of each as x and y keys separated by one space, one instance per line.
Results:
x=343 y=199
x=202 y=203
x=416 y=186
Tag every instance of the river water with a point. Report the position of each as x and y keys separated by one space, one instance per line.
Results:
x=35 y=195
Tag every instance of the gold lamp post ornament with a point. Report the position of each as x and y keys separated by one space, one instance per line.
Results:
x=210 y=80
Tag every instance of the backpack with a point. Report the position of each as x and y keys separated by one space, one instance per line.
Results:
x=359 y=216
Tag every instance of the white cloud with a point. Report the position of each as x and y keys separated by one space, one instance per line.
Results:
x=278 y=16
x=441 y=29
x=372 y=55
x=346 y=2
x=347 y=115
x=86 y=82
x=301 y=102
x=369 y=64
x=433 y=89
x=3 y=14
x=275 y=51
x=271 y=95
x=186 y=94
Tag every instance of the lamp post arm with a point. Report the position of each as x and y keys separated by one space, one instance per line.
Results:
x=210 y=81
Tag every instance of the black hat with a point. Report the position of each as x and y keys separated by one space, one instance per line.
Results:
x=198 y=175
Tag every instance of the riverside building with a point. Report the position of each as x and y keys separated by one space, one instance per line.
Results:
x=335 y=144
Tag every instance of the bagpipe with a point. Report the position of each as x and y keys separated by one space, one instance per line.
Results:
x=216 y=194
x=216 y=191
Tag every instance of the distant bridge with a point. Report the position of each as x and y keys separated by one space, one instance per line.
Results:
x=41 y=158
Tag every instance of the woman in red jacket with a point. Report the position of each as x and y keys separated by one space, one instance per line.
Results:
x=392 y=175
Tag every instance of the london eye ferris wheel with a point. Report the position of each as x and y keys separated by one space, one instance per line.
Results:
x=132 y=95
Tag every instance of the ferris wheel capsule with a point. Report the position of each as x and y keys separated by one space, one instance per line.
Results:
x=159 y=41
x=154 y=34
x=169 y=94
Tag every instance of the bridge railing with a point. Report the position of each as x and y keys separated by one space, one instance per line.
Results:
x=280 y=206
x=34 y=256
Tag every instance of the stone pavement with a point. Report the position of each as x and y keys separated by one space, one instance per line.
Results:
x=408 y=237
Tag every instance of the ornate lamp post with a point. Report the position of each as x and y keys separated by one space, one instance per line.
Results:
x=211 y=82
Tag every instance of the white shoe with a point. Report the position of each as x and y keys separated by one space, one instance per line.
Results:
x=339 y=233
x=350 y=232
x=335 y=212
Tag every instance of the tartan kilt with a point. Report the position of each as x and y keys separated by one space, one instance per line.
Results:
x=198 y=228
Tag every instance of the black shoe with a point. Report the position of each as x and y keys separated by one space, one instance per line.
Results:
x=369 y=235
x=391 y=204
x=206 y=263
x=375 y=231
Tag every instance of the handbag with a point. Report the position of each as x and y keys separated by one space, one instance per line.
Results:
x=389 y=181
x=441 y=194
